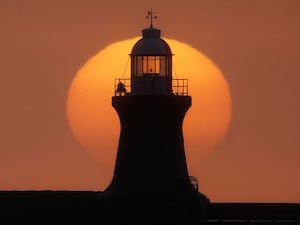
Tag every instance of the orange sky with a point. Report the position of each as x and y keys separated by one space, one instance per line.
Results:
x=255 y=43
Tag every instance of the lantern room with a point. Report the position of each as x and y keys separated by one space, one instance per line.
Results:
x=151 y=65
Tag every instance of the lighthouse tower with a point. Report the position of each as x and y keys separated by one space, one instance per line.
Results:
x=151 y=165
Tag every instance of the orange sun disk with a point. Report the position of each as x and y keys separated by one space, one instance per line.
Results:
x=95 y=124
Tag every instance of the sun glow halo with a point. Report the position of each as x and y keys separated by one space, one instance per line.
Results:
x=95 y=124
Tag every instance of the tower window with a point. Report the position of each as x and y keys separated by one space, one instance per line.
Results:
x=150 y=65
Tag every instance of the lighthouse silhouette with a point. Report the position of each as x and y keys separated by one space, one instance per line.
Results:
x=151 y=169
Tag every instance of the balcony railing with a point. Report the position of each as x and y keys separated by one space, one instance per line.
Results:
x=180 y=86
x=123 y=86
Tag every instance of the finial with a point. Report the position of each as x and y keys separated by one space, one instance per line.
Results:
x=151 y=17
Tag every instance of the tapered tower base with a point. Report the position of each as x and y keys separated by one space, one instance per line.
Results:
x=151 y=171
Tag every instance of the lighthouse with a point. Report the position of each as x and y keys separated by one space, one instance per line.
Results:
x=151 y=168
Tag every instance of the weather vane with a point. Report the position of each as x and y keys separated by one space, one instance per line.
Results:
x=151 y=17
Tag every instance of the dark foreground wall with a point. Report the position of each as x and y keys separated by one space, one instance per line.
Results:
x=255 y=211
x=88 y=207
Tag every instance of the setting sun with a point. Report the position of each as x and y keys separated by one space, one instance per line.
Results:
x=95 y=124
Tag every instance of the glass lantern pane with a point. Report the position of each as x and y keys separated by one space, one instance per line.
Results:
x=163 y=66
x=139 y=66
x=151 y=65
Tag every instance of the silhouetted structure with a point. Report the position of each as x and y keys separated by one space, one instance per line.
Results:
x=151 y=165
x=89 y=208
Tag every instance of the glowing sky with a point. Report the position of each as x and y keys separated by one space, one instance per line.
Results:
x=255 y=44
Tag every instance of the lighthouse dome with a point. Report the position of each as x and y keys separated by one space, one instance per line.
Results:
x=151 y=44
x=151 y=65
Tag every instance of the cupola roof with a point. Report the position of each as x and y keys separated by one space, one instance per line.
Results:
x=151 y=44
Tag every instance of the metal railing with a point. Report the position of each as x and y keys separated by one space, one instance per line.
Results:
x=180 y=86
x=123 y=86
